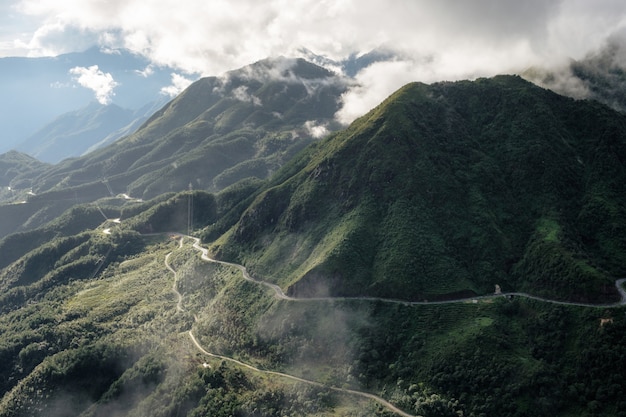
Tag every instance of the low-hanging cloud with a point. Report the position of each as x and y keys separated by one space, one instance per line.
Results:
x=212 y=37
x=436 y=39
x=102 y=83
x=374 y=83
x=179 y=83
x=315 y=129
x=241 y=93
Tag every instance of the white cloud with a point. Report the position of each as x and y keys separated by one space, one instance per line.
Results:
x=459 y=38
x=212 y=37
x=146 y=72
x=374 y=83
x=179 y=83
x=315 y=129
x=102 y=83
x=241 y=93
x=55 y=37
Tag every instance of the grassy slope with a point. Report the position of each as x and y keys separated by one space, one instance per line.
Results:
x=510 y=358
x=117 y=326
x=105 y=337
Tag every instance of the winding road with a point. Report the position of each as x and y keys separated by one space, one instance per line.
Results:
x=281 y=295
x=367 y=395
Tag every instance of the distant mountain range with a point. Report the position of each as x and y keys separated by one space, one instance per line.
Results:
x=78 y=132
x=48 y=116
x=39 y=90
x=220 y=130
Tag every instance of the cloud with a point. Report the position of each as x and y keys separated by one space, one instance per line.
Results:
x=179 y=83
x=241 y=93
x=54 y=37
x=438 y=39
x=375 y=83
x=212 y=37
x=561 y=80
x=315 y=129
x=94 y=79
x=146 y=72
x=597 y=76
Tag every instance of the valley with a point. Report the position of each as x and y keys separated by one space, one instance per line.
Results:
x=259 y=270
x=409 y=208
x=281 y=295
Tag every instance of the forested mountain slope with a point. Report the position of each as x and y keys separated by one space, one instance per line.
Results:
x=220 y=130
x=449 y=189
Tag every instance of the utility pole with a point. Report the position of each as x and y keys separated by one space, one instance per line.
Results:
x=106 y=182
x=190 y=210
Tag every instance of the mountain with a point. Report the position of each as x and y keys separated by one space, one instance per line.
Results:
x=220 y=130
x=42 y=89
x=14 y=164
x=354 y=63
x=449 y=189
x=440 y=192
x=138 y=119
x=73 y=133
x=78 y=132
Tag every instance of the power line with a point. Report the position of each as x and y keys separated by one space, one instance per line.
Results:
x=190 y=210
x=101 y=212
x=106 y=182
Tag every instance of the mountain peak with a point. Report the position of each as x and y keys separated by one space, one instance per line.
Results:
x=281 y=69
x=443 y=188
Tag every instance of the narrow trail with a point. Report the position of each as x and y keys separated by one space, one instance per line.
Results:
x=198 y=346
x=367 y=395
x=179 y=296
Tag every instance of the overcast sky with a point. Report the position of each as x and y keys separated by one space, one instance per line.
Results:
x=438 y=39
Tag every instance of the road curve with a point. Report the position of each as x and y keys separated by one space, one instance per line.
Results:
x=198 y=346
x=281 y=295
x=179 y=296
x=367 y=395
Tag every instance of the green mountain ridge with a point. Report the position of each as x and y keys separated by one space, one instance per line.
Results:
x=75 y=131
x=446 y=189
x=440 y=192
x=81 y=131
x=245 y=124
x=14 y=164
x=220 y=130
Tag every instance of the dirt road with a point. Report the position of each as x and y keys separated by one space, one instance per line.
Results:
x=280 y=294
